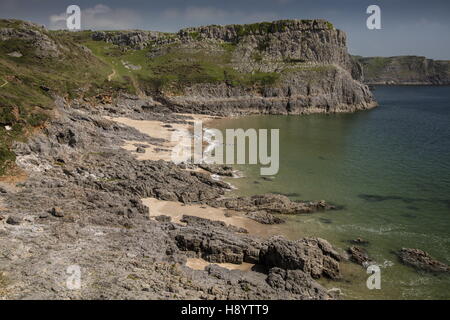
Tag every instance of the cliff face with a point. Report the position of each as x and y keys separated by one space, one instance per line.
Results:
x=295 y=41
x=405 y=70
x=325 y=89
x=281 y=67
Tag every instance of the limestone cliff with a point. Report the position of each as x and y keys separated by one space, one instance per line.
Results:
x=405 y=70
x=280 y=67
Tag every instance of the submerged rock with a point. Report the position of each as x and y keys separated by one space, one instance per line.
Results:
x=421 y=260
x=264 y=217
x=273 y=203
x=359 y=241
x=359 y=256
x=221 y=170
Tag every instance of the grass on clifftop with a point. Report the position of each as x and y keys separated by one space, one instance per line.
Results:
x=373 y=66
x=175 y=68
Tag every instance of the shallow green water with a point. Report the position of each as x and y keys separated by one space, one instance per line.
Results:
x=390 y=170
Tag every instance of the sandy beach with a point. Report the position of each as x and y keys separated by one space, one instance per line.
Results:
x=176 y=210
x=158 y=130
x=200 y=264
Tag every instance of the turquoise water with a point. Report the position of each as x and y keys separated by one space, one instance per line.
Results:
x=389 y=170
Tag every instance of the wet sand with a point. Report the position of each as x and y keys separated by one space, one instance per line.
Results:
x=176 y=210
x=200 y=264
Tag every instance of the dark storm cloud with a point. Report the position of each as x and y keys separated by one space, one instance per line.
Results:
x=408 y=26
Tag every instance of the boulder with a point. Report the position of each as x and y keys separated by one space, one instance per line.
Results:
x=215 y=242
x=15 y=54
x=56 y=212
x=359 y=241
x=13 y=220
x=140 y=150
x=297 y=282
x=314 y=256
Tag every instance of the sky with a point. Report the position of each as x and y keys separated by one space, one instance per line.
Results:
x=409 y=27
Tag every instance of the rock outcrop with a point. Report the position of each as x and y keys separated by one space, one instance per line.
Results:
x=272 y=203
x=313 y=256
x=34 y=35
x=292 y=265
x=297 y=282
x=404 y=70
x=136 y=39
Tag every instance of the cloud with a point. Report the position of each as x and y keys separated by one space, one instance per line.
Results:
x=100 y=17
x=193 y=16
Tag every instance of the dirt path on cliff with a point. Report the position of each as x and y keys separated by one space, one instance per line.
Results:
x=4 y=84
x=113 y=74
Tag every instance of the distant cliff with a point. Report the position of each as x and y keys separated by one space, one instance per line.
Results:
x=405 y=70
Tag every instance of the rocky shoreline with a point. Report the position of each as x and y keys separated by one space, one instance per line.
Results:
x=85 y=193
x=81 y=204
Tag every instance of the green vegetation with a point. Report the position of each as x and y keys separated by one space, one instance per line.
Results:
x=176 y=68
x=195 y=35
x=293 y=61
x=311 y=68
x=373 y=66
x=259 y=28
x=257 y=56
x=29 y=82
x=330 y=25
